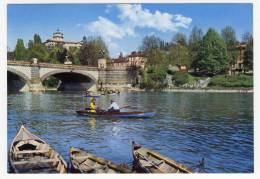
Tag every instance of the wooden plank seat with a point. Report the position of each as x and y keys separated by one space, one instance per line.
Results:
x=37 y=168
x=36 y=161
x=32 y=151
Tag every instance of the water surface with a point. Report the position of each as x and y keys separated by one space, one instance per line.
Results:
x=187 y=126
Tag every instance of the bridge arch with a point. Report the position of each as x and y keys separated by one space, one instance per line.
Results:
x=53 y=72
x=72 y=79
x=20 y=74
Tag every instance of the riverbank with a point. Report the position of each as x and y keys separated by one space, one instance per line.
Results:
x=197 y=90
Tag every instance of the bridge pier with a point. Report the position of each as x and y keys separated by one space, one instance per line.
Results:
x=35 y=82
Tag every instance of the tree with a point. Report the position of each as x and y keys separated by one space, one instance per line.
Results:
x=155 y=57
x=195 y=41
x=248 y=53
x=246 y=37
x=93 y=49
x=37 y=39
x=179 y=55
x=20 y=52
x=195 y=38
x=149 y=43
x=212 y=54
x=37 y=50
x=180 y=38
x=229 y=36
x=74 y=54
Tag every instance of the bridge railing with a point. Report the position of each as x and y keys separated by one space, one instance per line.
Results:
x=51 y=65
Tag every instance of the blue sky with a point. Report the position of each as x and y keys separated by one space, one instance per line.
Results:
x=123 y=26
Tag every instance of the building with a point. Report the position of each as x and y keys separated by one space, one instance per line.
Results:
x=135 y=59
x=238 y=67
x=58 y=39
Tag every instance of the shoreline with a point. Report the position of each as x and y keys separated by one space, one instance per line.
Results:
x=210 y=90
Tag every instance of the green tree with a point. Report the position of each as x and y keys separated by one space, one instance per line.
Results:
x=20 y=52
x=179 y=55
x=74 y=54
x=195 y=41
x=92 y=49
x=246 y=37
x=180 y=38
x=212 y=54
x=36 y=49
x=37 y=39
x=155 y=57
x=249 y=54
x=229 y=36
x=149 y=43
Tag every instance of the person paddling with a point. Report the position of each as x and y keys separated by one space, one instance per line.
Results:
x=114 y=107
x=92 y=105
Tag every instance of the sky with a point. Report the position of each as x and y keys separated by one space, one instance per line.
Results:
x=123 y=26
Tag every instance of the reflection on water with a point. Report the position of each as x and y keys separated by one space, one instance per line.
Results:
x=187 y=126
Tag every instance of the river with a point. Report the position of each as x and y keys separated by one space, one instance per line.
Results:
x=187 y=126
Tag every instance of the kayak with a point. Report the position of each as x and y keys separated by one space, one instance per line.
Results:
x=135 y=114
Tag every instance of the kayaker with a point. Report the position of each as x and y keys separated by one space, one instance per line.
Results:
x=114 y=107
x=92 y=105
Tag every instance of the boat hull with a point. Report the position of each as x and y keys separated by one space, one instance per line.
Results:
x=84 y=162
x=30 y=154
x=148 y=161
x=118 y=114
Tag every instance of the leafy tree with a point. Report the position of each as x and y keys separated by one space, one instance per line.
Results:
x=249 y=54
x=10 y=55
x=61 y=55
x=195 y=41
x=74 y=54
x=155 y=57
x=37 y=50
x=53 y=54
x=246 y=37
x=37 y=39
x=229 y=36
x=20 y=52
x=212 y=54
x=179 y=55
x=195 y=38
x=180 y=38
x=149 y=43
x=93 y=49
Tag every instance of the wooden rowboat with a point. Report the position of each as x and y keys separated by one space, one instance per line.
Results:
x=30 y=154
x=135 y=114
x=84 y=162
x=148 y=161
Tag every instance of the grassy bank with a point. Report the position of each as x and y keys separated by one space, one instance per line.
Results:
x=236 y=81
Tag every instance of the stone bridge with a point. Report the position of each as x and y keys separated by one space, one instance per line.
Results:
x=32 y=74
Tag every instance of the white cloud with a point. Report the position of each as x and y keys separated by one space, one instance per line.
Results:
x=108 y=8
x=161 y=21
x=106 y=28
x=134 y=16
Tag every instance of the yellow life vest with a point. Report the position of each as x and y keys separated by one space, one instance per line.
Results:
x=92 y=107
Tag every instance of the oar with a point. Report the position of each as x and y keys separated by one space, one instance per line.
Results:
x=125 y=107
x=150 y=162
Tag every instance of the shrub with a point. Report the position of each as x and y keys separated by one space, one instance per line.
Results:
x=232 y=81
x=181 y=78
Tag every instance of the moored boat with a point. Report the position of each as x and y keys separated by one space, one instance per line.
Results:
x=135 y=114
x=148 y=161
x=30 y=154
x=84 y=162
